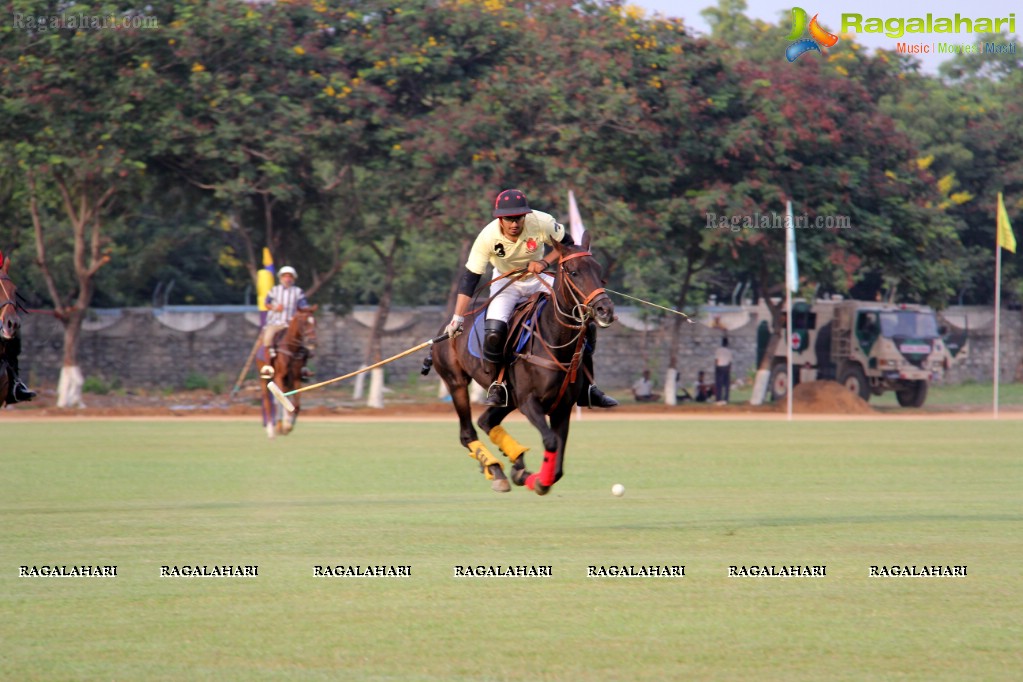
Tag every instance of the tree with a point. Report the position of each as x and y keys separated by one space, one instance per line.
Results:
x=75 y=126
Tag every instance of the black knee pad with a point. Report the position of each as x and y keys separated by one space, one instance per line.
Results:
x=494 y=334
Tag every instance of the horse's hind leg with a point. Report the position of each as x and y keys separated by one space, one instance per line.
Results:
x=489 y=464
x=490 y=422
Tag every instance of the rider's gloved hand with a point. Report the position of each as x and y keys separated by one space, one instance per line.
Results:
x=454 y=325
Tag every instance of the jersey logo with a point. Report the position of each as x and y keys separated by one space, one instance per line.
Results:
x=499 y=249
x=530 y=245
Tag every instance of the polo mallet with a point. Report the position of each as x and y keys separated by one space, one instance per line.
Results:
x=670 y=310
x=282 y=397
x=248 y=363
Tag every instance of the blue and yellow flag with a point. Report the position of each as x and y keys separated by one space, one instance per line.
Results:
x=265 y=279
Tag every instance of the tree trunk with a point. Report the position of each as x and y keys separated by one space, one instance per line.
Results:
x=69 y=386
x=376 y=389
x=374 y=352
x=671 y=377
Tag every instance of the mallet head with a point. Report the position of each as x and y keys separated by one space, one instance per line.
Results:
x=277 y=393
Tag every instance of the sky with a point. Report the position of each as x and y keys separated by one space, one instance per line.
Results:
x=830 y=15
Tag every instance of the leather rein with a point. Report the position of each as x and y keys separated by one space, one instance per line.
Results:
x=578 y=320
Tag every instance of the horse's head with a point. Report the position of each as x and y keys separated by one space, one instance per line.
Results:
x=580 y=286
x=303 y=327
x=9 y=320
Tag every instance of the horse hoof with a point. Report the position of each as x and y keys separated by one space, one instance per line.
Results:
x=519 y=473
x=533 y=483
x=500 y=482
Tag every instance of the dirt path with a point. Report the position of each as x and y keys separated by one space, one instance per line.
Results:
x=813 y=401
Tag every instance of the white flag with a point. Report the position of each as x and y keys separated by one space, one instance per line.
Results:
x=791 y=265
x=575 y=221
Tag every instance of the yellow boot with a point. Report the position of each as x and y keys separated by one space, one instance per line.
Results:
x=490 y=466
x=514 y=451
x=511 y=448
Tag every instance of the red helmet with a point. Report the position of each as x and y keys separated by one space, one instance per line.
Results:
x=511 y=202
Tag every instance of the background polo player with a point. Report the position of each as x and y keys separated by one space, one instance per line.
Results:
x=282 y=301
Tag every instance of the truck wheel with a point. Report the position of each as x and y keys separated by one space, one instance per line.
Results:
x=779 y=381
x=853 y=378
x=914 y=395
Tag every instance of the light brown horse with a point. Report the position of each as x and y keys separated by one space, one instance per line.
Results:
x=294 y=349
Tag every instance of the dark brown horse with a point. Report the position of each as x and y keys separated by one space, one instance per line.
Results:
x=294 y=349
x=10 y=324
x=545 y=375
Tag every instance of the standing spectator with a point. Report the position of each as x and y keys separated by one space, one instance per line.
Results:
x=722 y=372
x=643 y=389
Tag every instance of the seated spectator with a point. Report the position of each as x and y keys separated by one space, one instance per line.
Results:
x=643 y=389
x=681 y=394
x=704 y=390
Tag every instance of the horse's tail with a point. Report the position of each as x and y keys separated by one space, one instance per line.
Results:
x=427 y=364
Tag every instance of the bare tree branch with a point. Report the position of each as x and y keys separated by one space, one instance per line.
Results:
x=59 y=309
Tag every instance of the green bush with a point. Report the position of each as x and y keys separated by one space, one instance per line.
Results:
x=96 y=385
x=195 y=381
x=218 y=383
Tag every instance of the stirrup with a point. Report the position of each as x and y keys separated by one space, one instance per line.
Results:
x=266 y=372
x=497 y=395
x=21 y=393
x=596 y=398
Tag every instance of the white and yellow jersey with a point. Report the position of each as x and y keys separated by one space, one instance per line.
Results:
x=491 y=246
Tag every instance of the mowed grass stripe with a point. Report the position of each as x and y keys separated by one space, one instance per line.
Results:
x=704 y=494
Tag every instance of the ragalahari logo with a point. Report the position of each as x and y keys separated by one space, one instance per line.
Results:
x=818 y=36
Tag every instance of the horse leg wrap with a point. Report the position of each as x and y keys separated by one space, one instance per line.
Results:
x=509 y=446
x=547 y=471
x=479 y=452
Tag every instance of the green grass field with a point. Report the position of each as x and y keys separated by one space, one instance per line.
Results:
x=706 y=494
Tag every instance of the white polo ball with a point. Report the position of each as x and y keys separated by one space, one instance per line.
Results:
x=618 y=490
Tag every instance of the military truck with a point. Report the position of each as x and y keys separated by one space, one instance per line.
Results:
x=868 y=347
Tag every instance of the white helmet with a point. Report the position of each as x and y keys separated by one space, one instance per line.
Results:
x=287 y=270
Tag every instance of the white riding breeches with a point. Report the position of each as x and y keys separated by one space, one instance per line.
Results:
x=508 y=293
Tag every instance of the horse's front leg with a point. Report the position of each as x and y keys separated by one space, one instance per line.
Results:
x=269 y=414
x=288 y=419
x=560 y=421
x=541 y=482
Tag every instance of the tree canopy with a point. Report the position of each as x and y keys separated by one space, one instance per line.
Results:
x=362 y=141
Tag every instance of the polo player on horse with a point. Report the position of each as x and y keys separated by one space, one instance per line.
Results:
x=514 y=240
x=282 y=301
x=10 y=336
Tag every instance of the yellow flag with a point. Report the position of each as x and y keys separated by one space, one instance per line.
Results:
x=1006 y=239
x=264 y=279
